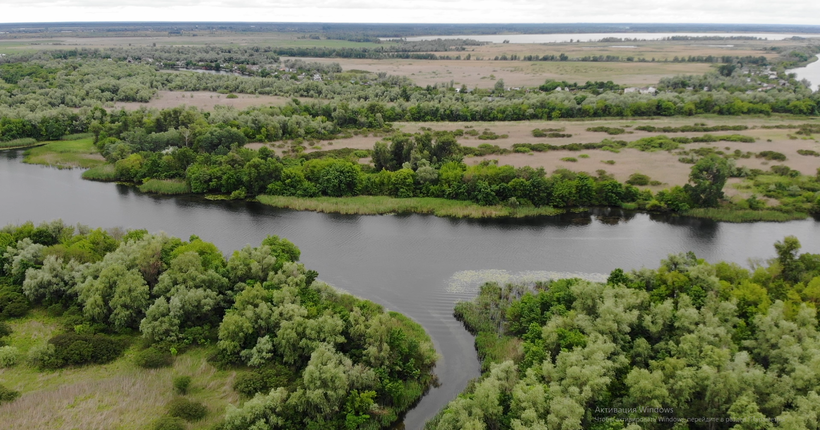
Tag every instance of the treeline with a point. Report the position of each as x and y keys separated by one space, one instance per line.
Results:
x=326 y=120
x=717 y=342
x=307 y=355
x=171 y=55
x=421 y=165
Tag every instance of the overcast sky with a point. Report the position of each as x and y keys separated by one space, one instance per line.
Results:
x=425 y=11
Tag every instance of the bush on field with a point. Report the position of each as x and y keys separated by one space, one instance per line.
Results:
x=153 y=358
x=182 y=384
x=7 y=395
x=71 y=349
x=9 y=356
x=187 y=409
x=638 y=179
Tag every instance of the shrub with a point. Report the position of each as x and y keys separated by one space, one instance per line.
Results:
x=7 y=395
x=5 y=330
x=232 y=96
x=607 y=130
x=569 y=159
x=583 y=156
x=771 y=155
x=153 y=358
x=263 y=380
x=55 y=310
x=808 y=152
x=169 y=423
x=638 y=179
x=77 y=349
x=9 y=356
x=608 y=161
x=182 y=384
x=12 y=304
x=186 y=409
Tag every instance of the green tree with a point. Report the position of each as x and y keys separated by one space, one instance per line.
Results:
x=706 y=180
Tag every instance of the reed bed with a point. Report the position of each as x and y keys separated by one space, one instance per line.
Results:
x=165 y=186
x=745 y=215
x=380 y=205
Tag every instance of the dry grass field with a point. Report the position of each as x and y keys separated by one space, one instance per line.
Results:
x=484 y=73
x=661 y=165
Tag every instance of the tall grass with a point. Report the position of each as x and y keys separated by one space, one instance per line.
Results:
x=379 y=205
x=744 y=215
x=165 y=186
x=65 y=154
x=78 y=136
x=25 y=142
x=104 y=173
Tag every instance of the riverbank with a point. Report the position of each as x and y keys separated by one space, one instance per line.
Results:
x=744 y=215
x=65 y=154
x=381 y=205
x=24 y=143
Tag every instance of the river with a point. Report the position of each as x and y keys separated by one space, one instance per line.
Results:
x=592 y=37
x=414 y=264
x=810 y=72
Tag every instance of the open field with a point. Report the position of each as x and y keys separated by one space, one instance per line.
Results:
x=661 y=165
x=66 y=154
x=205 y=100
x=660 y=50
x=480 y=74
x=118 y=395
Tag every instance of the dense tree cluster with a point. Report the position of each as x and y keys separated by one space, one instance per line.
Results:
x=36 y=93
x=347 y=363
x=650 y=349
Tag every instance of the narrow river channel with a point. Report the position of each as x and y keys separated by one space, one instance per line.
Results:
x=413 y=264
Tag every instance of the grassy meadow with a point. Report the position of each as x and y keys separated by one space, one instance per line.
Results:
x=119 y=395
x=66 y=154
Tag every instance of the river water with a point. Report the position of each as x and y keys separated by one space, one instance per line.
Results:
x=591 y=37
x=414 y=264
x=810 y=72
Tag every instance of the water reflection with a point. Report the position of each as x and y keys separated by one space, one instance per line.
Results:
x=405 y=262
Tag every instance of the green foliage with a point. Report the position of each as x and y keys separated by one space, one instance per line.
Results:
x=638 y=179
x=607 y=130
x=8 y=395
x=13 y=304
x=9 y=356
x=771 y=155
x=671 y=338
x=72 y=349
x=188 y=410
x=263 y=380
x=182 y=384
x=707 y=179
x=153 y=358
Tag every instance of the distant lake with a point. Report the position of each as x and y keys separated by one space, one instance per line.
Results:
x=586 y=37
x=810 y=72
